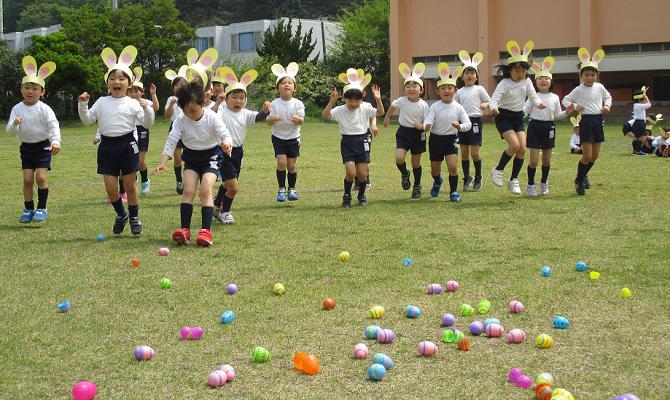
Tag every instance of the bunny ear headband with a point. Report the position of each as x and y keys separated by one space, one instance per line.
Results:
x=171 y=75
x=575 y=120
x=291 y=71
x=35 y=75
x=230 y=78
x=545 y=70
x=126 y=58
x=468 y=62
x=137 y=72
x=219 y=76
x=446 y=76
x=642 y=93
x=588 y=61
x=412 y=75
x=354 y=79
x=515 y=51
x=653 y=119
x=200 y=66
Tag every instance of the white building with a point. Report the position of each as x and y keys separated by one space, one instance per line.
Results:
x=20 y=40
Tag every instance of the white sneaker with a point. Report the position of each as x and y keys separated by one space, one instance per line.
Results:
x=227 y=218
x=218 y=214
x=497 y=177
x=544 y=188
x=532 y=192
x=513 y=186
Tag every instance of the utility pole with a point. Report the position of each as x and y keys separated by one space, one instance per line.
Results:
x=115 y=4
x=2 y=21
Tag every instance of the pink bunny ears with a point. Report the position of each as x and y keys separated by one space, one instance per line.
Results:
x=291 y=71
x=35 y=75
x=137 y=72
x=412 y=75
x=199 y=66
x=354 y=79
x=126 y=58
x=587 y=61
x=230 y=78
x=515 y=51
x=468 y=62
x=446 y=76
x=545 y=69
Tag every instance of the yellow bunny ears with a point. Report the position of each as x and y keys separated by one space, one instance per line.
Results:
x=218 y=76
x=137 y=73
x=126 y=58
x=468 y=62
x=354 y=79
x=171 y=75
x=198 y=66
x=290 y=71
x=35 y=75
x=575 y=120
x=516 y=55
x=230 y=78
x=448 y=77
x=653 y=120
x=639 y=94
x=412 y=75
x=545 y=69
x=586 y=61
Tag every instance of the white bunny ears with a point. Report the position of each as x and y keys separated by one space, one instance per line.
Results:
x=231 y=79
x=171 y=75
x=468 y=62
x=126 y=58
x=448 y=77
x=575 y=120
x=200 y=66
x=35 y=75
x=354 y=79
x=137 y=72
x=587 y=61
x=412 y=75
x=291 y=71
x=515 y=51
x=545 y=69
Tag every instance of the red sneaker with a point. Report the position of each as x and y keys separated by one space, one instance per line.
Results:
x=182 y=236
x=204 y=238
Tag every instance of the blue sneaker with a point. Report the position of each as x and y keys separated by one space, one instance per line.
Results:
x=292 y=194
x=455 y=197
x=40 y=215
x=281 y=195
x=437 y=184
x=26 y=216
x=145 y=187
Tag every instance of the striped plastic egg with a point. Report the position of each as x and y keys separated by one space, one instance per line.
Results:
x=412 y=311
x=516 y=336
x=434 y=288
x=144 y=353
x=371 y=331
x=494 y=330
x=384 y=360
x=516 y=306
x=385 y=336
x=229 y=371
x=361 y=351
x=427 y=348
x=217 y=378
x=544 y=341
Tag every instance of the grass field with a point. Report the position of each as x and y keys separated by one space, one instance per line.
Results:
x=493 y=243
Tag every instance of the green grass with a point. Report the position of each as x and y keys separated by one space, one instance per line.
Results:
x=493 y=243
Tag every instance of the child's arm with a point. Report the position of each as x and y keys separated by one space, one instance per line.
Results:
x=607 y=100
x=170 y=144
x=559 y=113
x=225 y=140
x=527 y=108
x=220 y=99
x=569 y=99
x=428 y=121
x=484 y=98
x=87 y=116
x=326 y=114
x=263 y=113
x=532 y=95
x=373 y=126
x=14 y=123
x=376 y=92
x=392 y=111
x=169 y=107
x=54 y=130
x=273 y=116
x=299 y=117
x=573 y=142
x=463 y=124
x=154 y=99
x=146 y=115
x=497 y=96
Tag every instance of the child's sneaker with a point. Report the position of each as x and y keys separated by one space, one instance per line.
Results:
x=40 y=215
x=579 y=187
x=362 y=200
x=455 y=197
x=513 y=186
x=405 y=181
x=180 y=187
x=227 y=218
x=437 y=184
x=135 y=225
x=346 y=201
x=416 y=192
x=281 y=195
x=587 y=182
x=204 y=238
x=468 y=182
x=218 y=214
x=368 y=184
x=124 y=198
x=292 y=194
x=182 y=236
x=120 y=224
x=497 y=177
x=544 y=189
x=26 y=216
x=145 y=187
x=479 y=182
x=532 y=191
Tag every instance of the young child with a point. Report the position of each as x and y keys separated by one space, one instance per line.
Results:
x=648 y=138
x=218 y=83
x=575 y=144
x=444 y=120
x=591 y=100
x=236 y=118
x=118 y=116
x=287 y=115
x=635 y=128
x=136 y=91
x=352 y=119
x=410 y=135
x=35 y=125
x=173 y=112
x=202 y=132
x=541 y=126
x=474 y=99
x=661 y=143
x=507 y=105
x=373 y=130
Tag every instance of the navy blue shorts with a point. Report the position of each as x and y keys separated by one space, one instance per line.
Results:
x=143 y=138
x=591 y=128
x=638 y=128
x=201 y=161
x=230 y=166
x=355 y=148
x=440 y=146
x=290 y=148
x=474 y=135
x=509 y=121
x=410 y=139
x=118 y=155
x=36 y=155
x=541 y=134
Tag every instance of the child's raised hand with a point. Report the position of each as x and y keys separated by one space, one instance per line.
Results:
x=221 y=98
x=296 y=119
x=18 y=121
x=227 y=148
x=55 y=149
x=84 y=97
x=456 y=124
x=266 y=107
x=152 y=89
x=542 y=106
x=605 y=110
x=159 y=168
x=333 y=96
x=143 y=103
x=376 y=92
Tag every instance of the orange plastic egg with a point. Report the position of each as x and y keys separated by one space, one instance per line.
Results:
x=543 y=391
x=310 y=365
x=464 y=343
x=329 y=304
x=135 y=262
x=298 y=360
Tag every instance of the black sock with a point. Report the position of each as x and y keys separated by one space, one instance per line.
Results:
x=417 y=176
x=29 y=205
x=531 y=175
x=402 y=168
x=637 y=146
x=227 y=203
x=122 y=189
x=42 y=195
x=281 y=178
x=177 y=173
x=347 y=186
x=361 y=190
x=436 y=178
x=145 y=175
x=219 y=196
x=453 y=183
x=478 y=168
x=581 y=171
x=134 y=211
x=545 y=173
x=516 y=167
x=465 y=164
x=186 y=211
x=207 y=214
x=588 y=167
x=292 y=177
x=504 y=159
x=118 y=207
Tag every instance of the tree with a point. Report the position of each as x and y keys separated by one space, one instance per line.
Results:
x=286 y=46
x=41 y=14
x=11 y=74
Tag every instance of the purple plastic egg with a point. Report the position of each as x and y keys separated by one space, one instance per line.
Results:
x=476 y=328
x=448 y=320
x=514 y=375
x=524 y=382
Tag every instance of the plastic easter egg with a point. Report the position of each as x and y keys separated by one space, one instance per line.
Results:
x=135 y=262
x=229 y=371
x=516 y=336
x=594 y=275
x=185 y=333
x=451 y=335
x=100 y=237
x=376 y=312
x=543 y=391
x=524 y=382
x=376 y=372
x=412 y=311
x=464 y=343
x=298 y=359
x=278 y=289
x=64 y=306
x=627 y=396
x=514 y=375
x=448 y=319
x=371 y=331
x=144 y=353
x=476 y=328
x=385 y=336
x=466 y=310
x=626 y=293
x=197 y=332
x=165 y=283
x=560 y=322
x=427 y=348
x=329 y=304
x=260 y=354
x=452 y=286
x=516 y=307
x=217 y=379
x=407 y=262
x=494 y=330
x=544 y=341
x=163 y=252
x=562 y=394
x=483 y=307
x=489 y=321
x=227 y=317
x=310 y=365
x=84 y=390
x=361 y=351
x=544 y=378
x=344 y=256
x=434 y=288
x=545 y=271
x=383 y=360
x=580 y=266
x=232 y=288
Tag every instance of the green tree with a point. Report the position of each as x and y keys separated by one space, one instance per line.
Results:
x=11 y=74
x=286 y=46
x=41 y=14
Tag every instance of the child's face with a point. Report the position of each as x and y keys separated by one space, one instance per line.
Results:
x=31 y=93
x=413 y=91
x=518 y=72
x=353 y=104
x=217 y=88
x=235 y=101
x=589 y=77
x=118 y=83
x=469 y=77
x=208 y=96
x=193 y=111
x=543 y=84
x=176 y=86
x=446 y=92
x=286 y=88
x=576 y=130
x=135 y=92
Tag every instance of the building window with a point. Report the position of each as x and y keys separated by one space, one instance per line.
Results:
x=652 y=47
x=27 y=42
x=246 y=41
x=202 y=44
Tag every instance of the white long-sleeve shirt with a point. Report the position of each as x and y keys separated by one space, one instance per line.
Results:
x=285 y=129
x=471 y=98
x=574 y=141
x=207 y=132
x=592 y=98
x=410 y=111
x=116 y=116
x=176 y=110
x=553 y=111
x=353 y=122
x=39 y=123
x=237 y=123
x=640 y=110
x=511 y=95
x=441 y=115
